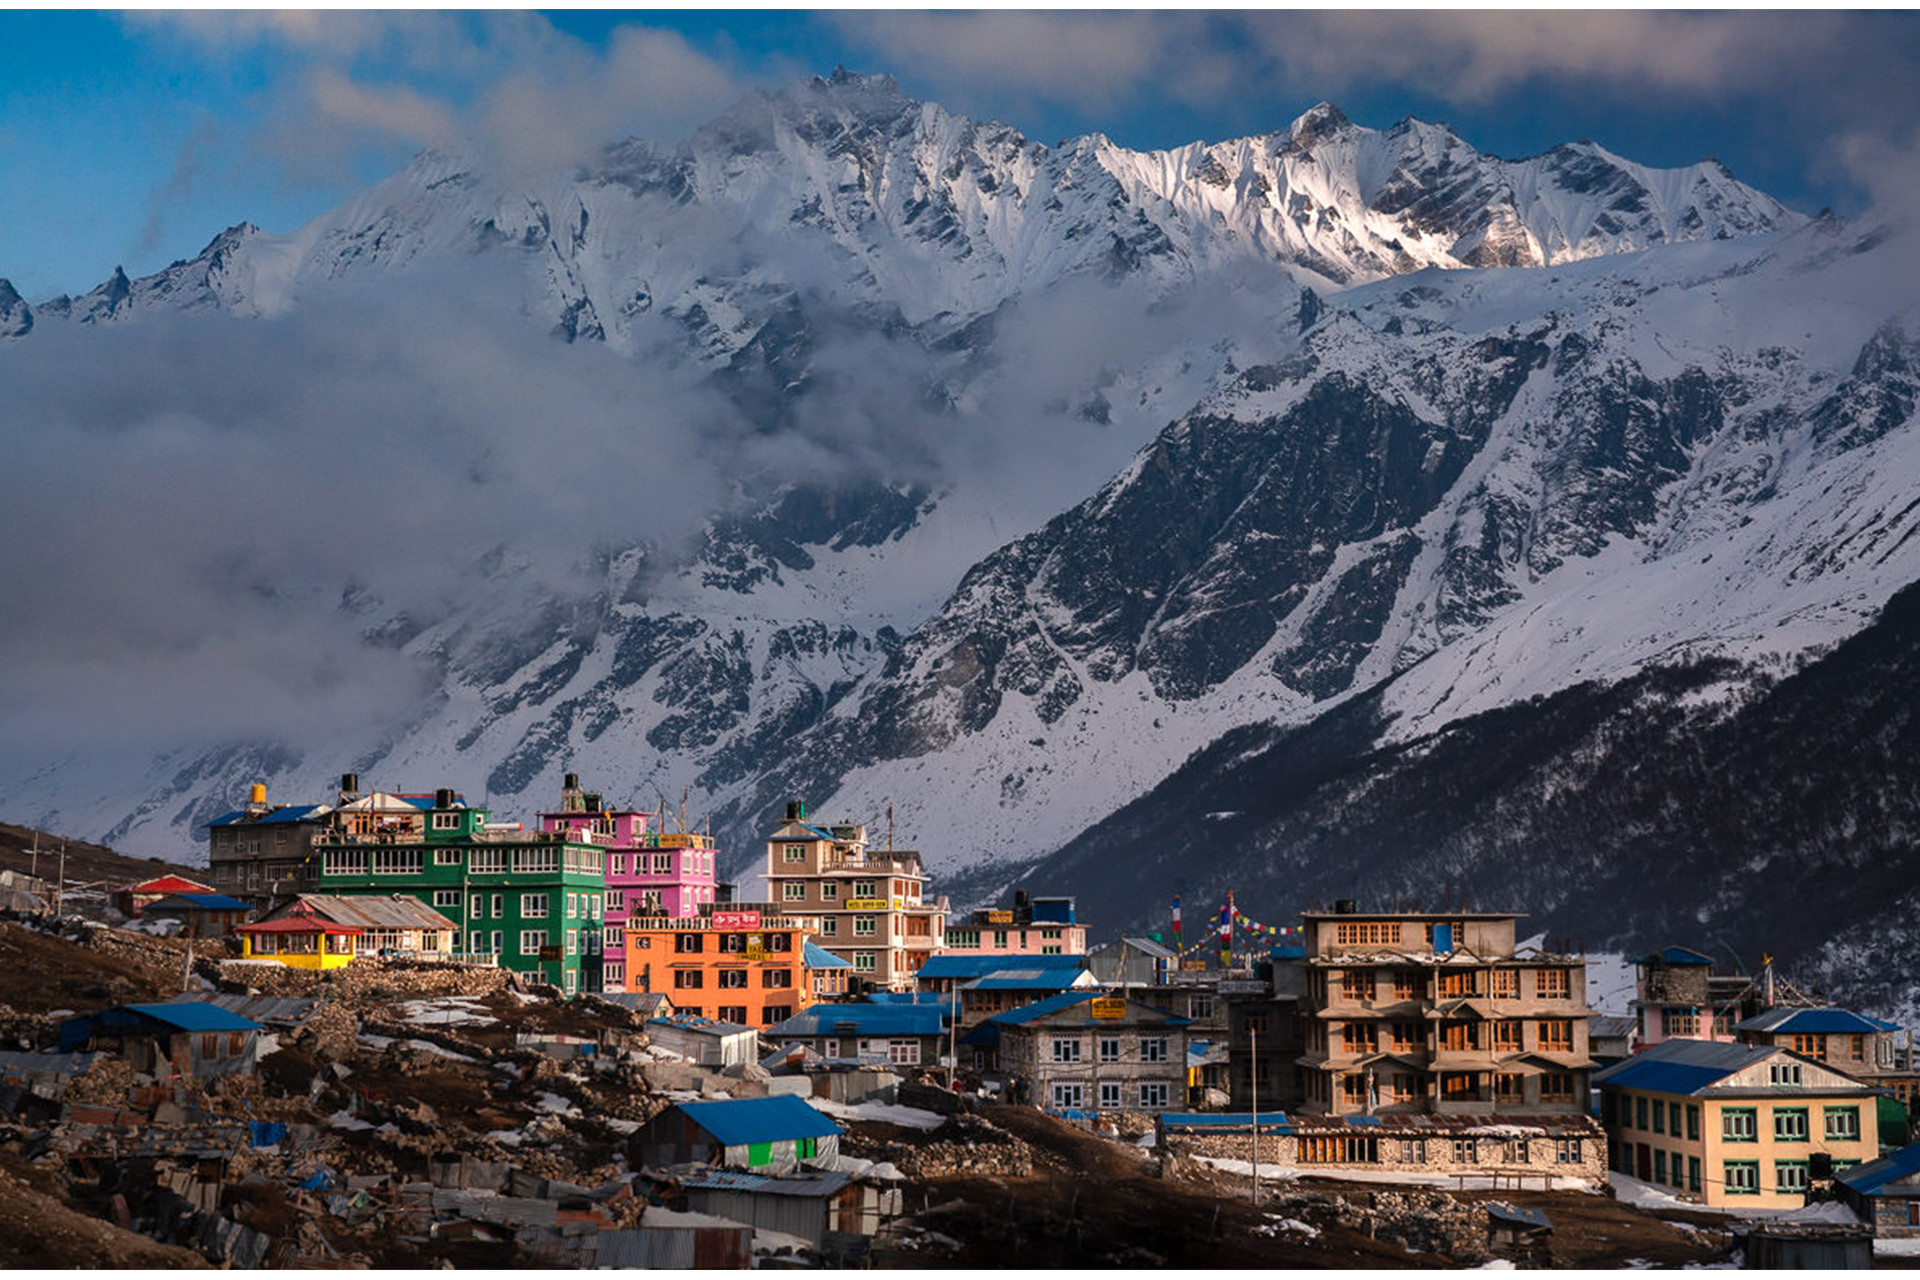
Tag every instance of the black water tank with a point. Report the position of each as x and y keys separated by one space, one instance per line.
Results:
x=572 y=782
x=443 y=798
x=1345 y=907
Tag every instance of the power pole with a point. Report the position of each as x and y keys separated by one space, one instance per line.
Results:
x=60 y=890
x=1253 y=1091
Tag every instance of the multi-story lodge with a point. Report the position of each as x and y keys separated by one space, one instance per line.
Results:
x=1732 y=1124
x=533 y=901
x=1436 y=1012
x=1677 y=996
x=747 y=963
x=1030 y=927
x=650 y=873
x=871 y=902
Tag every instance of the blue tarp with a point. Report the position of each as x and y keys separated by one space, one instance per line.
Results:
x=742 y=1121
x=266 y=1133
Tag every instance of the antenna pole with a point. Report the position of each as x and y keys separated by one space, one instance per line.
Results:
x=60 y=890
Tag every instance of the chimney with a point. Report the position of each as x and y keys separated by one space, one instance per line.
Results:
x=349 y=787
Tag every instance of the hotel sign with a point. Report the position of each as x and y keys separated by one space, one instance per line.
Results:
x=736 y=919
x=866 y=904
x=999 y=917
x=1108 y=1007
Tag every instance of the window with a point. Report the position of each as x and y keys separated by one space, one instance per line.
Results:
x=1742 y=1177
x=863 y=961
x=1659 y=1121
x=533 y=906
x=1679 y=1022
x=446 y=857
x=1639 y=1113
x=1556 y=1086
x=1068 y=1096
x=1811 y=1046
x=487 y=862
x=1551 y=984
x=1413 y=1150
x=1507 y=1087
x=544 y=858
x=1506 y=984
x=1339 y=1150
x=1567 y=1151
x=1673 y=1118
x=903 y=1052
x=573 y=942
x=793 y=853
x=532 y=941
x=1740 y=1124
x=1659 y=1165
x=1367 y=933
x=497 y=942
x=793 y=891
x=689 y=943
x=1460 y=1035
x=1790 y=1176
x=1466 y=1151
x=1693 y=1173
x=446 y=822
x=446 y=898
x=499 y=905
x=1109 y=1094
x=1790 y=1124
x=1359 y=1037
x=1109 y=1049
x=1199 y=1008
x=863 y=888
x=863 y=926
x=1693 y=1122
x=775 y=979
x=1555 y=1035
x=1784 y=1074
x=830 y=892
x=1066 y=1050
x=1506 y=1036
x=662 y=864
x=1356 y=984
x=396 y=862
x=573 y=905
x=734 y=1013
x=732 y=979
x=774 y=1014
x=688 y=979
x=1843 y=1123
x=1460 y=982
x=616 y=899
x=617 y=864
x=1153 y=1095
x=1153 y=1050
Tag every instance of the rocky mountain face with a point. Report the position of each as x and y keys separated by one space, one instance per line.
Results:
x=1384 y=469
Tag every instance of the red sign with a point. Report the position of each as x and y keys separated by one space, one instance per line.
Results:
x=736 y=919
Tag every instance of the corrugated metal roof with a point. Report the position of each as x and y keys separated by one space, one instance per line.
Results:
x=1902 y=1166
x=1070 y=1003
x=273 y=1011
x=1025 y=980
x=1827 y=1021
x=202 y=901
x=1197 y=1121
x=368 y=911
x=1682 y=1066
x=195 y=1015
x=1516 y=1214
x=739 y=1122
x=864 y=1019
x=812 y=1185
x=817 y=957
x=951 y=966
x=1673 y=956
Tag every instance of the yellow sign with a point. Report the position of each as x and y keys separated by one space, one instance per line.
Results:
x=1109 y=1007
x=756 y=953
x=999 y=917
x=866 y=904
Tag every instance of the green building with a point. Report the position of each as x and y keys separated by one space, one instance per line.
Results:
x=530 y=901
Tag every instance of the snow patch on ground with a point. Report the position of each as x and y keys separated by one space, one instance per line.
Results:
x=905 y=1117
x=450 y=1011
x=1647 y=1195
x=1897 y=1248
x=1385 y=1177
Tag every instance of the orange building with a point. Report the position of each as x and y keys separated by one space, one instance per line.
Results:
x=742 y=964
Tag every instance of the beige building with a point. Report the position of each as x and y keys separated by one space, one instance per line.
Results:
x=871 y=903
x=1734 y=1126
x=1411 y=1012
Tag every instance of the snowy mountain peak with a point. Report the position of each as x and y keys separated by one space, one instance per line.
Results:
x=1318 y=121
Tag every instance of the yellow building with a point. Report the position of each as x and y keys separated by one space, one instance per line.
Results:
x=322 y=931
x=1732 y=1126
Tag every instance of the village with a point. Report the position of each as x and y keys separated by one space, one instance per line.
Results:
x=385 y=1029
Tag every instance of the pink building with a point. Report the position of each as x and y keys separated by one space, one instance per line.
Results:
x=1030 y=927
x=1678 y=997
x=649 y=872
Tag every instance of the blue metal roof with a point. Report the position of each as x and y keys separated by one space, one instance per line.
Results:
x=905 y=997
x=1026 y=980
x=952 y=966
x=285 y=813
x=864 y=1019
x=1873 y=1177
x=1270 y=1121
x=820 y=958
x=1673 y=956
x=741 y=1121
x=198 y=1016
x=1828 y=1021
x=1067 y=1000
x=205 y=901
x=1682 y=1066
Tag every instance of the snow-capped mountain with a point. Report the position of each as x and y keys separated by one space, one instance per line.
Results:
x=1335 y=435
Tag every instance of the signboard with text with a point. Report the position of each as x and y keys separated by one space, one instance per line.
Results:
x=1108 y=1007
x=866 y=904
x=736 y=919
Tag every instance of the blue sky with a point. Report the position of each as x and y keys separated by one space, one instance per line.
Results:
x=133 y=139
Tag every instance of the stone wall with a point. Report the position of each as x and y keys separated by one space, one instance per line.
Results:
x=1499 y=1152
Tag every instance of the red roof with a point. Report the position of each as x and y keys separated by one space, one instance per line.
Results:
x=298 y=924
x=172 y=884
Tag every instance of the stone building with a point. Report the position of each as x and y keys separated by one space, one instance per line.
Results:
x=1546 y=1148
x=1411 y=1012
x=1082 y=1050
